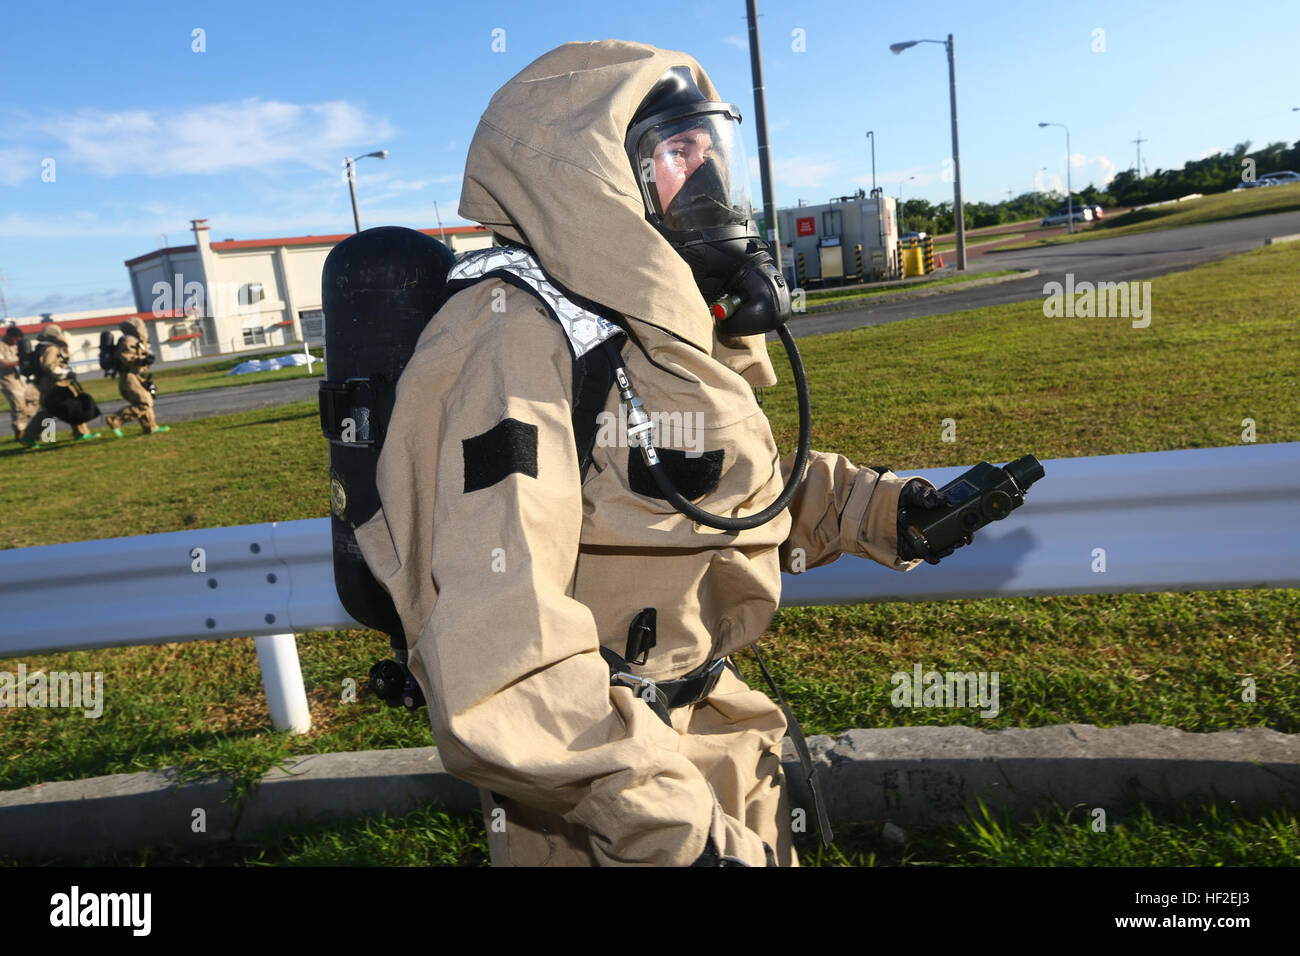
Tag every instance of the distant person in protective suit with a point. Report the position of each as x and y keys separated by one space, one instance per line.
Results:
x=61 y=396
x=132 y=358
x=23 y=398
x=512 y=573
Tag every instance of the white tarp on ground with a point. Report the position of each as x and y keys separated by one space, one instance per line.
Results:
x=270 y=365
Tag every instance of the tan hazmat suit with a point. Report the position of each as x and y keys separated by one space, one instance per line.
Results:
x=23 y=398
x=505 y=591
x=132 y=354
x=53 y=370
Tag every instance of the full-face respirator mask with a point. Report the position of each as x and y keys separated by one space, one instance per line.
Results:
x=690 y=164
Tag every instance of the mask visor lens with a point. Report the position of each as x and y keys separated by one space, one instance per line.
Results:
x=694 y=173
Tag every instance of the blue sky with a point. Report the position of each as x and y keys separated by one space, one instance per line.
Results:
x=147 y=134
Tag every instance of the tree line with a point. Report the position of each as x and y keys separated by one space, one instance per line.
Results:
x=1213 y=174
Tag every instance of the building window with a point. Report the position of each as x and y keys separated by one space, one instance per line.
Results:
x=254 y=334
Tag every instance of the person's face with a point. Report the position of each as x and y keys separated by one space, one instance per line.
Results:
x=676 y=158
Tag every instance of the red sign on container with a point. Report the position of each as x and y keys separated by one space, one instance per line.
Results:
x=806 y=226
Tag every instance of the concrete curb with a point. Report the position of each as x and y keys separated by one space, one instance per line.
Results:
x=937 y=774
x=1278 y=240
x=908 y=775
x=905 y=294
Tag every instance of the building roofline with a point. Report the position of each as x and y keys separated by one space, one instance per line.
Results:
x=169 y=251
x=101 y=320
x=233 y=244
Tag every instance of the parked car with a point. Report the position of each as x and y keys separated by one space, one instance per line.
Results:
x=1061 y=216
x=1283 y=178
x=1278 y=179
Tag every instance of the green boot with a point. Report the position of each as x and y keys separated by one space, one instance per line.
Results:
x=160 y=429
x=88 y=436
x=33 y=445
x=118 y=433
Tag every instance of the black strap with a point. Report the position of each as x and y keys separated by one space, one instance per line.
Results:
x=593 y=377
x=801 y=747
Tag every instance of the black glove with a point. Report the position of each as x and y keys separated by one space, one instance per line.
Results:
x=917 y=494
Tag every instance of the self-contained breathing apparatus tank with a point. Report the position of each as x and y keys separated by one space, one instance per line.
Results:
x=379 y=289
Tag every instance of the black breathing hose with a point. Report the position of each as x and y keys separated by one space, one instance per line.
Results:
x=639 y=431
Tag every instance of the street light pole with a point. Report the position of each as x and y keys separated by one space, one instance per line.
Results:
x=1069 y=189
x=902 y=218
x=871 y=135
x=351 y=165
x=958 y=210
x=773 y=236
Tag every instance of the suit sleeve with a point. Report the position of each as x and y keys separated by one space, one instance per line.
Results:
x=53 y=365
x=840 y=508
x=132 y=353
x=519 y=696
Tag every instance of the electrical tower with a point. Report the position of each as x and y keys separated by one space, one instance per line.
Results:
x=1139 y=141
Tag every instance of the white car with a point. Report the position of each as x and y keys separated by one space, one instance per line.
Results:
x=1283 y=178
x=1058 y=218
x=1279 y=179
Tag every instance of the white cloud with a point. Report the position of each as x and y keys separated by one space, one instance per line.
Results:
x=1097 y=169
x=57 y=303
x=251 y=133
x=804 y=172
x=1048 y=183
x=19 y=166
x=736 y=40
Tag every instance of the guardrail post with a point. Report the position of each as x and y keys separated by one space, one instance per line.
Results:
x=282 y=680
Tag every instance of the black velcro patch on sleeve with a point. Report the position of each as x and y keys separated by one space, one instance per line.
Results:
x=508 y=447
x=692 y=477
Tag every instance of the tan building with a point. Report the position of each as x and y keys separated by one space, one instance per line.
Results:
x=218 y=297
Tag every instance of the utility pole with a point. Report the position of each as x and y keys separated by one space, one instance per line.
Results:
x=773 y=236
x=441 y=234
x=871 y=135
x=1139 y=141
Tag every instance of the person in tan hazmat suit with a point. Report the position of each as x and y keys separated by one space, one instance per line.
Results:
x=23 y=398
x=510 y=571
x=133 y=357
x=56 y=385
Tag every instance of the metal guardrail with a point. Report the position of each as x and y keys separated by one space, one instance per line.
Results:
x=1163 y=521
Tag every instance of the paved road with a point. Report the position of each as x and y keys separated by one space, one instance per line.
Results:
x=1124 y=258
x=187 y=406
x=1121 y=259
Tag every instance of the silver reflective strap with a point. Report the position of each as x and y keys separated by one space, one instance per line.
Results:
x=584 y=329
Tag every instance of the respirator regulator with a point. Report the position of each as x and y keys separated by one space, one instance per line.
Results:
x=690 y=164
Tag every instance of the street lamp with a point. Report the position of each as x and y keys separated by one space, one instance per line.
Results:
x=351 y=164
x=902 y=219
x=871 y=135
x=959 y=211
x=1069 y=190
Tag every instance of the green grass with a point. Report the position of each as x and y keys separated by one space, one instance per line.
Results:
x=189 y=378
x=824 y=296
x=1015 y=382
x=1214 y=834
x=1230 y=205
x=951 y=246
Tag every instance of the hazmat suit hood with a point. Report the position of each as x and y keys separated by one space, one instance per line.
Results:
x=52 y=333
x=134 y=326
x=548 y=168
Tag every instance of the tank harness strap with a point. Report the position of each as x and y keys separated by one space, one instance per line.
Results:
x=801 y=747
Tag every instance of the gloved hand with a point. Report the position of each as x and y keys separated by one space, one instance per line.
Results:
x=919 y=493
